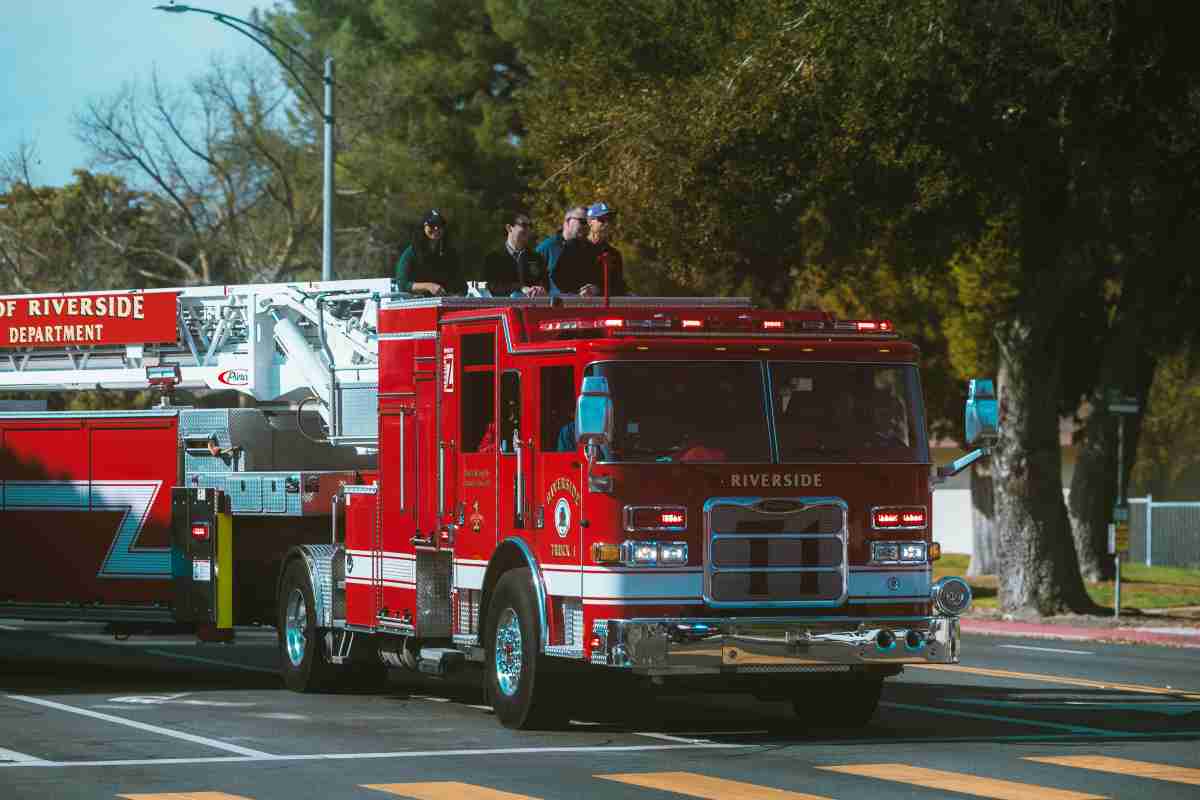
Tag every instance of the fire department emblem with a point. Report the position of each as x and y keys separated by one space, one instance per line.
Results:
x=893 y=584
x=476 y=519
x=562 y=517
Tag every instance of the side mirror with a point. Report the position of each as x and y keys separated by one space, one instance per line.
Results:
x=594 y=412
x=983 y=427
x=983 y=412
x=594 y=428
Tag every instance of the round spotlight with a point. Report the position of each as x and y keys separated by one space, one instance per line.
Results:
x=951 y=596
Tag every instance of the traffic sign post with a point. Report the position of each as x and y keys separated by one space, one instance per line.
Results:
x=1118 y=535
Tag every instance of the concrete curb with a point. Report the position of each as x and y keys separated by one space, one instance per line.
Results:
x=1174 y=637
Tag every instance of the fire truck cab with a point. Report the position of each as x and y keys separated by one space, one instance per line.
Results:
x=696 y=492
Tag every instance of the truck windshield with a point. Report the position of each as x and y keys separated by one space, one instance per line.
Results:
x=848 y=412
x=695 y=411
x=691 y=411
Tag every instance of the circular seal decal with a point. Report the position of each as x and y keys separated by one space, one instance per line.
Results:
x=562 y=517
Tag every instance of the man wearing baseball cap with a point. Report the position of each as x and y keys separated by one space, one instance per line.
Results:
x=595 y=267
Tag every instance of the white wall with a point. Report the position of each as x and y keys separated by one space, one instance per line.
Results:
x=952 y=520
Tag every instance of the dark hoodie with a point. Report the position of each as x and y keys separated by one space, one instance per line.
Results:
x=429 y=261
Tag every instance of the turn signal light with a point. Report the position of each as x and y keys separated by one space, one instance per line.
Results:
x=606 y=553
x=899 y=518
x=200 y=532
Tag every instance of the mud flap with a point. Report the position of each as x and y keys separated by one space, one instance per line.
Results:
x=202 y=557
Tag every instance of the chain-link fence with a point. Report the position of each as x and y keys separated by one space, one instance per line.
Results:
x=1164 y=534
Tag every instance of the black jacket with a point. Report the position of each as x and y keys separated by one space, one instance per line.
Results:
x=582 y=262
x=506 y=273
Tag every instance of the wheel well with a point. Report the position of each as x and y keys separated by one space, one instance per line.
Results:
x=507 y=557
x=293 y=555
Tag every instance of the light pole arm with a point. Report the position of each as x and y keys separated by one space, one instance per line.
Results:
x=249 y=29
x=238 y=24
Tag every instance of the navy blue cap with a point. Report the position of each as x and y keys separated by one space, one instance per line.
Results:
x=600 y=209
x=434 y=217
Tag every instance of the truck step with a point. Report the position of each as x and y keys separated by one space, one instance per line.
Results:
x=440 y=660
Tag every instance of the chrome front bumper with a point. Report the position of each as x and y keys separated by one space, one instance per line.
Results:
x=757 y=645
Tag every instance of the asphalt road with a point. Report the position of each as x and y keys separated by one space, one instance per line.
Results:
x=85 y=716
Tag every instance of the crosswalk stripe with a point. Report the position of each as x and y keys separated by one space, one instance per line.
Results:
x=183 y=796
x=960 y=782
x=1125 y=766
x=445 y=790
x=693 y=785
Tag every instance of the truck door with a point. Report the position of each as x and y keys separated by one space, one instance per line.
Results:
x=556 y=494
x=475 y=455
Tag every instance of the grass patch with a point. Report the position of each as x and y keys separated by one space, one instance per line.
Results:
x=1141 y=586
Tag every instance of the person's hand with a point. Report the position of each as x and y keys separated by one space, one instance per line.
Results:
x=429 y=287
x=589 y=290
x=533 y=291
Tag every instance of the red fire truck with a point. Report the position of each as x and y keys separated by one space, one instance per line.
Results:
x=695 y=492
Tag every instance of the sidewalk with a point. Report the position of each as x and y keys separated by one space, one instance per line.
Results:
x=1180 y=634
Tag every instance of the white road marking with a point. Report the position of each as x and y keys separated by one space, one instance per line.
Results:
x=9 y=628
x=142 y=726
x=176 y=699
x=214 y=662
x=429 y=698
x=1047 y=649
x=498 y=751
x=668 y=738
x=19 y=758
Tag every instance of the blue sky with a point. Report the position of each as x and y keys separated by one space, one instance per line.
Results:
x=56 y=55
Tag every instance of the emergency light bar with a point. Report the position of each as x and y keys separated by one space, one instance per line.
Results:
x=743 y=323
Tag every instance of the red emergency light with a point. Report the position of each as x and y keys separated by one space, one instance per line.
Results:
x=899 y=518
x=655 y=518
x=200 y=532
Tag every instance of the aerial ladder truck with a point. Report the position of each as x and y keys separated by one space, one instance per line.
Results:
x=698 y=493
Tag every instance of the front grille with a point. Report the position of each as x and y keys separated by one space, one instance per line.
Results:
x=775 y=552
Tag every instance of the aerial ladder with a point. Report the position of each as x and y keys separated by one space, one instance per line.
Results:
x=287 y=345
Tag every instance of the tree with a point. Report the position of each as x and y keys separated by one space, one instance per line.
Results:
x=56 y=238
x=984 y=150
x=234 y=198
x=426 y=118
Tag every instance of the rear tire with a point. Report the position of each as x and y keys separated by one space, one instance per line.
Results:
x=838 y=704
x=518 y=680
x=302 y=661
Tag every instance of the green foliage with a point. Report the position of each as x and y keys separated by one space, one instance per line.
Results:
x=88 y=233
x=1168 y=456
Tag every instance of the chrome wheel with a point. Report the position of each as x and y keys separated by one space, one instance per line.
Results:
x=295 y=623
x=509 y=656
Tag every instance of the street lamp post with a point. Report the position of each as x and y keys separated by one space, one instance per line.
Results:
x=249 y=30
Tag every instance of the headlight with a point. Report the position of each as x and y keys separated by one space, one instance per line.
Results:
x=648 y=553
x=642 y=553
x=672 y=553
x=899 y=552
x=885 y=551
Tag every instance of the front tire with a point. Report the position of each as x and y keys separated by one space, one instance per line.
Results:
x=301 y=660
x=518 y=680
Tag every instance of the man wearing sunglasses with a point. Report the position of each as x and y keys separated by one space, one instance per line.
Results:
x=594 y=265
x=514 y=269
x=574 y=228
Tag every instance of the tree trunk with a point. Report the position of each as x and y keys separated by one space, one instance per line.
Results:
x=1039 y=571
x=983 y=522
